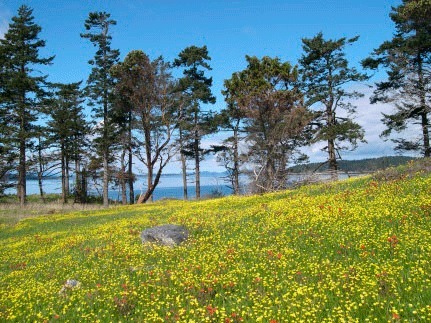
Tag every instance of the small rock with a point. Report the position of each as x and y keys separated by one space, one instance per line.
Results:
x=166 y=235
x=70 y=284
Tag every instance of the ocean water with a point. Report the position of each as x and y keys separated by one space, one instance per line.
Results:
x=170 y=186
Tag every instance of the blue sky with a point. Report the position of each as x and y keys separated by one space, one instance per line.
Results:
x=230 y=29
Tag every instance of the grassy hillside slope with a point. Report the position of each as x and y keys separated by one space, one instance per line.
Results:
x=354 y=250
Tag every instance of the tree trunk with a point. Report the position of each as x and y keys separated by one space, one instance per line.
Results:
x=183 y=166
x=330 y=115
x=66 y=179
x=149 y=166
x=197 y=169
x=424 y=115
x=333 y=165
x=78 y=188
x=106 y=139
x=63 y=176
x=40 y=172
x=149 y=193
x=270 y=171
x=235 y=180
x=83 y=197
x=197 y=158
x=130 y=171
x=22 y=171
x=123 y=178
x=22 y=166
x=425 y=133
x=332 y=157
x=105 y=179
x=130 y=179
x=148 y=162
x=39 y=180
x=105 y=153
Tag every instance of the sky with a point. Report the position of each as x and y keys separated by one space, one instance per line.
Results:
x=230 y=30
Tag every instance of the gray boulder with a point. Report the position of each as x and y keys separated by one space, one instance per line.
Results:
x=69 y=285
x=166 y=235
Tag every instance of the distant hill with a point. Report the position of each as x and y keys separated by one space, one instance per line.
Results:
x=359 y=166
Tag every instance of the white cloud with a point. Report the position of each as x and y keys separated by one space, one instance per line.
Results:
x=369 y=117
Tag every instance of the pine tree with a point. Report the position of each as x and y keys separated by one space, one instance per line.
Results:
x=196 y=89
x=407 y=59
x=231 y=119
x=325 y=74
x=41 y=160
x=67 y=129
x=100 y=87
x=275 y=117
x=22 y=86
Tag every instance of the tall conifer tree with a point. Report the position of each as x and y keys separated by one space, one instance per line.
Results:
x=100 y=87
x=407 y=60
x=22 y=86
x=325 y=74
x=274 y=117
x=67 y=129
x=196 y=88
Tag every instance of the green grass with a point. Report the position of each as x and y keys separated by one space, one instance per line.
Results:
x=11 y=212
x=356 y=250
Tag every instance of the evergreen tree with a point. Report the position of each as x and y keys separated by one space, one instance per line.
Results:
x=67 y=129
x=41 y=160
x=196 y=89
x=231 y=119
x=407 y=59
x=275 y=117
x=22 y=87
x=100 y=86
x=325 y=74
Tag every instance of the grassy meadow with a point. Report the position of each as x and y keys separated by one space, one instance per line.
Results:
x=354 y=251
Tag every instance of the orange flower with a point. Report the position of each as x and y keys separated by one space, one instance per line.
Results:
x=395 y=316
x=211 y=310
x=257 y=280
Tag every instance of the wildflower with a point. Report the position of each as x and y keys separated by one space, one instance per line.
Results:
x=211 y=310
x=395 y=316
x=393 y=241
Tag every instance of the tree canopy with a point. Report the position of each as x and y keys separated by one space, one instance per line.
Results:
x=22 y=88
x=407 y=61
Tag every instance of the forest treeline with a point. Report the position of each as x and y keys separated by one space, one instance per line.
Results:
x=355 y=166
x=140 y=111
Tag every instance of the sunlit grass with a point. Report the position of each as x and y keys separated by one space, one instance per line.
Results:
x=11 y=212
x=352 y=251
